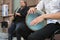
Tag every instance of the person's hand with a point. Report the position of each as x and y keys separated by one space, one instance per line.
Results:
x=11 y=15
x=37 y=20
x=31 y=10
x=18 y=14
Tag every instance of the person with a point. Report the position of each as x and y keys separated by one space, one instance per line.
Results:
x=18 y=25
x=52 y=15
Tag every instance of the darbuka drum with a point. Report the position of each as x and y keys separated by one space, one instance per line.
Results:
x=30 y=17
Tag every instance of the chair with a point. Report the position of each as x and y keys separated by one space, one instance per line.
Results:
x=56 y=32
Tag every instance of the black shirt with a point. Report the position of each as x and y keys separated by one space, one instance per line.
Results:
x=23 y=13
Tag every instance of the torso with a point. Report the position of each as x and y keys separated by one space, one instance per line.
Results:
x=50 y=6
x=21 y=18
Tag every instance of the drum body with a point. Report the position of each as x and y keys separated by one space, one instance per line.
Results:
x=30 y=17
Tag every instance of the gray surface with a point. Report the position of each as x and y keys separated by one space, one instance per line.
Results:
x=4 y=36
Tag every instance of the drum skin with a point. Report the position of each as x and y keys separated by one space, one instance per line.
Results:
x=32 y=16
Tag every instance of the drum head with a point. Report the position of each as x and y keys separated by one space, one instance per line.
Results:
x=30 y=17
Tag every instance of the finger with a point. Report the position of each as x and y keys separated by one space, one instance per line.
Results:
x=29 y=11
x=33 y=23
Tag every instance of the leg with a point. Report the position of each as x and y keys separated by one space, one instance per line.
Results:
x=22 y=30
x=43 y=33
x=10 y=31
x=17 y=31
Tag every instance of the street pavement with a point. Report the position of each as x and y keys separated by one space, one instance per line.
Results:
x=4 y=36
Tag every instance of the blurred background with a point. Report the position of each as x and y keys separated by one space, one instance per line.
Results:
x=13 y=5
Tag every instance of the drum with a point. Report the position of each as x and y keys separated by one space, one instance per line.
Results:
x=32 y=16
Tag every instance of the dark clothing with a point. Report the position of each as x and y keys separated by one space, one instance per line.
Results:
x=23 y=31
x=4 y=24
x=23 y=13
x=20 y=29
x=18 y=25
x=45 y=32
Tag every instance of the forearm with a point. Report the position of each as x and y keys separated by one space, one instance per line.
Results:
x=52 y=16
x=18 y=14
x=10 y=14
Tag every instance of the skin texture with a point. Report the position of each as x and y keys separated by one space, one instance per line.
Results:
x=43 y=16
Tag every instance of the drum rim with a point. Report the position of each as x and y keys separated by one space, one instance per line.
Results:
x=27 y=16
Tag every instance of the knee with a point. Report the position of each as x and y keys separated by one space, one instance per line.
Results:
x=18 y=31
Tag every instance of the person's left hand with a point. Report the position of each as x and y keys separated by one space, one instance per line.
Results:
x=37 y=20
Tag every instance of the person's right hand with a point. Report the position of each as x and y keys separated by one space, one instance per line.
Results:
x=18 y=14
x=31 y=10
x=11 y=15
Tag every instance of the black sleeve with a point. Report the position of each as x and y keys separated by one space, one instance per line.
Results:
x=24 y=13
x=18 y=10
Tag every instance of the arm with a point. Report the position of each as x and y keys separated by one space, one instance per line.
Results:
x=18 y=14
x=22 y=12
x=11 y=15
x=52 y=16
x=45 y=16
x=25 y=12
x=55 y=14
x=38 y=7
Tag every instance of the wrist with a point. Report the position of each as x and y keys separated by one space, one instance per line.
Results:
x=43 y=16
